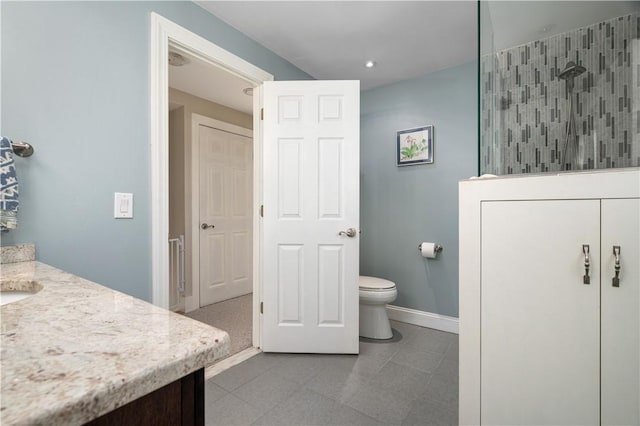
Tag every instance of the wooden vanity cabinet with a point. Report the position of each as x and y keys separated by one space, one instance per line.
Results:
x=178 y=403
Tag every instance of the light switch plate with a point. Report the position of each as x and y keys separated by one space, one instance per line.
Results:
x=123 y=205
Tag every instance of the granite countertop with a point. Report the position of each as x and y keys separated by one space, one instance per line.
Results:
x=77 y=350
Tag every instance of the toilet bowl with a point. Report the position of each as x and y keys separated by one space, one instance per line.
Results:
x=375 y=293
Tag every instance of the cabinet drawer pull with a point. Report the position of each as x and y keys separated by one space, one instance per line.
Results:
x=585 y=278
x=615 y=281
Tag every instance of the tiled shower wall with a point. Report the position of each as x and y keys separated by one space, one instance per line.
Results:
x=525 y=106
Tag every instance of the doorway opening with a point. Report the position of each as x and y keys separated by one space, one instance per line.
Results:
x=310 y=200
x=187 y=115
x=210 y=194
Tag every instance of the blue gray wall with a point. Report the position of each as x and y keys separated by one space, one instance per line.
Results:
x=403 y=206
x=75 y=84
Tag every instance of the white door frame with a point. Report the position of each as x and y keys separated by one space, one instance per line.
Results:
x=164 y=32
x=193 y=302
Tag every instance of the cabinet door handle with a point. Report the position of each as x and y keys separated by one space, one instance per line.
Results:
x=585 y=251
x=615 y=281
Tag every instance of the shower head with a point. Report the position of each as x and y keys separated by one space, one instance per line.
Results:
x=571 y=71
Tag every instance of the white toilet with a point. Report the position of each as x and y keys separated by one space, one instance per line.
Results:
x=375 y=293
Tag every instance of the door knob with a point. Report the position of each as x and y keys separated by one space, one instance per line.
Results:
x=351 y=232
x=205 y=226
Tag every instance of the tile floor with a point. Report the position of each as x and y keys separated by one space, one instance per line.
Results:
x=413 y=381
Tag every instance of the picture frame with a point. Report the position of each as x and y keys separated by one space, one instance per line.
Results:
x=414 y=146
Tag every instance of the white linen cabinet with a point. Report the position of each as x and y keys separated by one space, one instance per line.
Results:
x=547 y=336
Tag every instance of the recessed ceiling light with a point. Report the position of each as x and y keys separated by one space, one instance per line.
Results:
x=248 y=91
x=370 y=64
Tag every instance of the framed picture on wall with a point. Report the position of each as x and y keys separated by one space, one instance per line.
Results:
x=415 y=146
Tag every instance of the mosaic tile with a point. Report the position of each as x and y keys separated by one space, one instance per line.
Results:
x=525 y=105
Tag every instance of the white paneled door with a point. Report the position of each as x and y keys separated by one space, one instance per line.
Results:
x=226 y=170
x=311 y=216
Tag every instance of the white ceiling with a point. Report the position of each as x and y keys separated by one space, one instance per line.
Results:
x=210 y=82
x=331 y=40
x=517 y=22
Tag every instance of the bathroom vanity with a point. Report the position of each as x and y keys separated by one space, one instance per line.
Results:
x=550 y=299
x=76 y=352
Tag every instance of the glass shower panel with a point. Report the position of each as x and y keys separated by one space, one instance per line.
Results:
x=560 y=86
x=489 y=150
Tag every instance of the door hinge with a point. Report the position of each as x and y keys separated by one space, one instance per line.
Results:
x=261 y=113
x=262 y=210
x=261 y=307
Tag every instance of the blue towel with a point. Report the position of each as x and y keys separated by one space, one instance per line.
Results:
x=8 y=187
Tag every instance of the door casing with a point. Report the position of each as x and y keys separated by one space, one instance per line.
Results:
x=164 y=33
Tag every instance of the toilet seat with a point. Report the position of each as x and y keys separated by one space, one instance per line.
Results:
x=375 y=284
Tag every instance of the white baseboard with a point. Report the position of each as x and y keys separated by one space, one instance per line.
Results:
x=423 y=319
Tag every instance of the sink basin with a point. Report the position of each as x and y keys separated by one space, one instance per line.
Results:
x=12 y=291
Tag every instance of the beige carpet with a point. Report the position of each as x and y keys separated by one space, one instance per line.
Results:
x=232 y=316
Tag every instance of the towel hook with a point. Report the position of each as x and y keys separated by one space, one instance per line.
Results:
x=22 y=149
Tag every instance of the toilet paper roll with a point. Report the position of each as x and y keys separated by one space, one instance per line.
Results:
x=428 y=250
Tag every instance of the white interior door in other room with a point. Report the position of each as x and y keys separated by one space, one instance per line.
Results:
x=311 y=216
x=226 y=170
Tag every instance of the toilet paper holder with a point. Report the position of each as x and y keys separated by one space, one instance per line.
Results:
x=438 y=248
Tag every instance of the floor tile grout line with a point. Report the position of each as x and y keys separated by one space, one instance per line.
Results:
x=277 y=405
x=267 y=369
